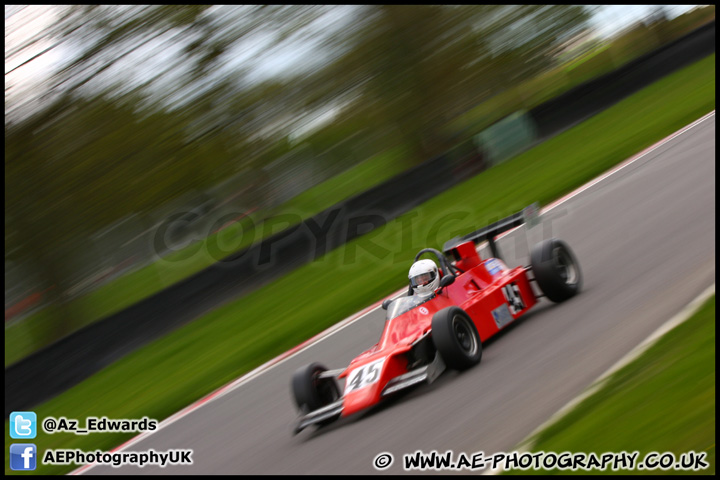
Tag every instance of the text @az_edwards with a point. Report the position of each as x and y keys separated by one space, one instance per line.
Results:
x=52 y=425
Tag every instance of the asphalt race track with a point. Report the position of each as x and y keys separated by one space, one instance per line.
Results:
x=645 y=239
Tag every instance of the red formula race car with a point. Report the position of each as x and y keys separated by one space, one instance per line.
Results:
x=445 y=328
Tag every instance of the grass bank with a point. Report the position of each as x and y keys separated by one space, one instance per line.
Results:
x=664 y=401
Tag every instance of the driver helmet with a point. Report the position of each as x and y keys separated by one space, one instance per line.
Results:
x=424 y=277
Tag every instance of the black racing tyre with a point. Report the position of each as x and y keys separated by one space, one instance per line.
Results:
x=312 y=392
x=556 y=269
x=456 y=338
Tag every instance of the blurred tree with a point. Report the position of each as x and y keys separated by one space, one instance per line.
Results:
x=412 y=69
x=107 y=144
x=74 y=168
x=101 y=149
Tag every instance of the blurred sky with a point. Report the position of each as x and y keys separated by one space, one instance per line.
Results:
x=24 y=23
x=608 y=19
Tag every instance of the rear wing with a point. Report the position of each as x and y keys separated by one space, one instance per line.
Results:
x=529 y=215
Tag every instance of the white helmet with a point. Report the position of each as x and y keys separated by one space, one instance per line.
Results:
x=424 y=277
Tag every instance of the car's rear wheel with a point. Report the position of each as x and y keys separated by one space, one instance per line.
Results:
x=456 y=338
x=312 y=392
x=556 y=269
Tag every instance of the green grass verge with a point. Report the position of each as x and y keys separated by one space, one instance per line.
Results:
x=174 y=371
x=552 y=83
x=664 y=401
x=356 y=180
x=31 y=334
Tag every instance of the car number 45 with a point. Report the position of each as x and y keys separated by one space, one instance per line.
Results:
x=363 y=376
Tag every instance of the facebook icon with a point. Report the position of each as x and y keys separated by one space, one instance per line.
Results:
x=23 y=456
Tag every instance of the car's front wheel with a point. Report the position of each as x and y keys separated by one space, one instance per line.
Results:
x=456 y=338
x=312 y=392
x=556 y=269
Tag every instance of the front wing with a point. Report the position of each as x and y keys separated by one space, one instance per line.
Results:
x=426 y=373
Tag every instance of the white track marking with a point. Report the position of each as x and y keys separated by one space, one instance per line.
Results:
x=354 y=318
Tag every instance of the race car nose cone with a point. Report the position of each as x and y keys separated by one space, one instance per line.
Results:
x=360 y=399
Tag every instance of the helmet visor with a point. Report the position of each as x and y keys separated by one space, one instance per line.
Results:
x=422 y=279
